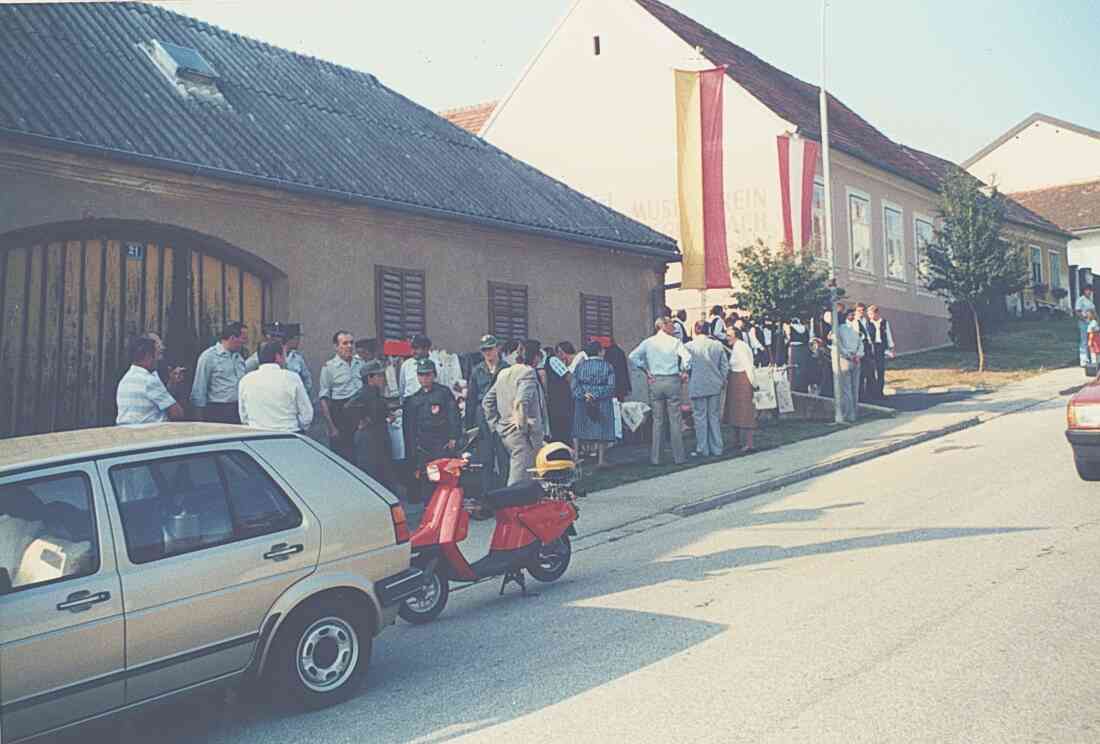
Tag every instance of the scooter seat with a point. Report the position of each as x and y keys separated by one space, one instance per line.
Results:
x=519 y=494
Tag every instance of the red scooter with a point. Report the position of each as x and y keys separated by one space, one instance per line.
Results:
x=534 y=521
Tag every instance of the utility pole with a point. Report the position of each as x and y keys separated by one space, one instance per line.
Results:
x=829 y=221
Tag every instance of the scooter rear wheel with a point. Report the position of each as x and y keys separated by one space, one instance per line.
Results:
x=426 y=606
x=552 y=560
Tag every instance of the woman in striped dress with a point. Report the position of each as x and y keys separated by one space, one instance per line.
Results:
x=593 y=388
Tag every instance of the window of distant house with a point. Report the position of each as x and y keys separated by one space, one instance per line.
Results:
x=596 y=317
x=1036 y=265
x=893 y=242
x=818 y=242
x=400 y=297
x=1055 y=270
x=859 y=231
x=923 y=235
x=508 y=311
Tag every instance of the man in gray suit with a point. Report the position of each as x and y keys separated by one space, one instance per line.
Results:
x=515 y=409
x=710 y=368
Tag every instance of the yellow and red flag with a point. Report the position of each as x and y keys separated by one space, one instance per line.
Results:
x=797 y=168
x=699 y=178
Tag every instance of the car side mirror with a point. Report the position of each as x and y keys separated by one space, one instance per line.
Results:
x=5 y=581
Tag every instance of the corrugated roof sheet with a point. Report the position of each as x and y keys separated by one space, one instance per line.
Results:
x=75 y=73
x=798 y=102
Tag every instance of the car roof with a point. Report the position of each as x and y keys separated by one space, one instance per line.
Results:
x=44 y=449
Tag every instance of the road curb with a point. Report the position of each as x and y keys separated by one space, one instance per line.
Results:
x=755 y=489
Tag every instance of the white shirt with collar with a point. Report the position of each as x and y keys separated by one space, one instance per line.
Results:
x=741 y=360
x=887 y=337
x=408 y=384
x=274 y=398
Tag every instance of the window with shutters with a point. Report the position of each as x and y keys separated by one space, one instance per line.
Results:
x=401 y=299
x=596 y=319
x=508 y=311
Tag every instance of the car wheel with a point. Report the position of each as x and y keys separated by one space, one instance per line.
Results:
x=1089 y=470
x=322 y=654
x=552 y=560
x=424 y=607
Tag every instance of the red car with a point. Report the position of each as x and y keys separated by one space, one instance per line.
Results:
x=1083 y=430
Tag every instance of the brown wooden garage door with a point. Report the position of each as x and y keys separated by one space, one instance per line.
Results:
x=70 y=307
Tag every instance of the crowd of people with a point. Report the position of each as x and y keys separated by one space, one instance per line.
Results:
x=515 y=395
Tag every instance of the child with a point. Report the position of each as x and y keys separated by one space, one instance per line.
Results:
x=1094 y=337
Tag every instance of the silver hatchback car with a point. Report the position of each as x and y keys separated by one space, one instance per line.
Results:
x=137 y=563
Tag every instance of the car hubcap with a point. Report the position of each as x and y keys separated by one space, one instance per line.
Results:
x=425 y=600
x=327 y=654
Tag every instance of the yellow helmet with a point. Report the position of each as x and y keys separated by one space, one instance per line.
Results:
x=554 y=459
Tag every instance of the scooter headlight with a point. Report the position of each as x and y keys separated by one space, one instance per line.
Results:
x=433 y=472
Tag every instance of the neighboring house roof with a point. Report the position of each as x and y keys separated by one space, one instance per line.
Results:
x=798 y=102
x=1074 y=206
x=1036 y=117
x=73 y=76
x=470 y=118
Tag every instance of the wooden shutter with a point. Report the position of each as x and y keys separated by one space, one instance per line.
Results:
x=401 y=303
x=508 y=311
x=596 y=317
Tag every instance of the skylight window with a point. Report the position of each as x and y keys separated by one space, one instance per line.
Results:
x=187 y=61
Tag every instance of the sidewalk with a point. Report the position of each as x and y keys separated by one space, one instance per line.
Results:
x=614 y=513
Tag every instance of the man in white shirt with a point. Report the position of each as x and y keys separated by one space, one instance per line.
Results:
x=408 y=384
x=142 y=398
x=272 y=397
x=666 y=364
x=1081 y=309
x=718 y=324
x=850 y=344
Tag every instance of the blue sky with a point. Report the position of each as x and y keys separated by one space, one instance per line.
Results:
x=946 y=76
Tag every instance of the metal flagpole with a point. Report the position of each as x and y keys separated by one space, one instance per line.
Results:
x=829 y=222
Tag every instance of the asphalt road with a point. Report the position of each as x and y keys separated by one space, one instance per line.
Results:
x=948 y=592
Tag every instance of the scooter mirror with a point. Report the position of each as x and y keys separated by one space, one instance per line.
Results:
x=467 y=456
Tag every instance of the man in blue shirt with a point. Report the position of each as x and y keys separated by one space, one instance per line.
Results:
x=218 y=375
x=666 y=364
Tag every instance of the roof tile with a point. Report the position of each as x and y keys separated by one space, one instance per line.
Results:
x=1073 y=207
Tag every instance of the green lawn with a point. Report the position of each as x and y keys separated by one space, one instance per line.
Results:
x=770 y=434
x=1019 y=350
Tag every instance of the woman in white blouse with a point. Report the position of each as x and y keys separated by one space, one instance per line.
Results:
x=742 y=383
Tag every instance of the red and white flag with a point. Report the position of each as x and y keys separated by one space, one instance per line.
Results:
x=797 y=167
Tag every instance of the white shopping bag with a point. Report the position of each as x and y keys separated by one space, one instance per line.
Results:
x=397 y=437
x=617 y=409
x=633 y=414
x=783 y=396
x=764 y=397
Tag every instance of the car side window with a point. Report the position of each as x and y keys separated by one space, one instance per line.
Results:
x=182 y=504
x=259 y=506
x=47 y=531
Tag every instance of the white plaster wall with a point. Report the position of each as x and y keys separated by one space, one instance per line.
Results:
x=1085 y=252
x=1041 y=155
x=606 y=125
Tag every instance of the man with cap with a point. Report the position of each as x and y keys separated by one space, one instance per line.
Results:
x=408 y=381
x=341 y=383
x=490 y=451
x=378 y=459
x=290 y=336
x=430 y=421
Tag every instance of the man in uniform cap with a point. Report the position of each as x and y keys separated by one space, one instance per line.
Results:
x=408 y=380
x=430 y=421
x=272 y=332
x=377 y=458
x=490 y=451
x=295 y=362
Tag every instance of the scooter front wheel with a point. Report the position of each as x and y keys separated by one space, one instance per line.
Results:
x=424 y=607
x=552 y=560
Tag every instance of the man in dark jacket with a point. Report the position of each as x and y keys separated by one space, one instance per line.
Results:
x=378 y=459
x=616 y=357
x=430 y=421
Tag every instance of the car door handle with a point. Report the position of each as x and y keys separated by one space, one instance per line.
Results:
x=282 y=551
x=83 y=600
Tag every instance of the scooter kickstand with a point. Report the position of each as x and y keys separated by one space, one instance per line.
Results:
x=518 y=578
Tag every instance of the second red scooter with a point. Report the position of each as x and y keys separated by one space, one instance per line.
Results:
x=534 y=521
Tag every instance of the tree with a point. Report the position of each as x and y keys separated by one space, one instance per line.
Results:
x=969 y=260
x=776 y=285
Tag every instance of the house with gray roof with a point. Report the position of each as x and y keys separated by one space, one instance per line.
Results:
x=162 y=174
